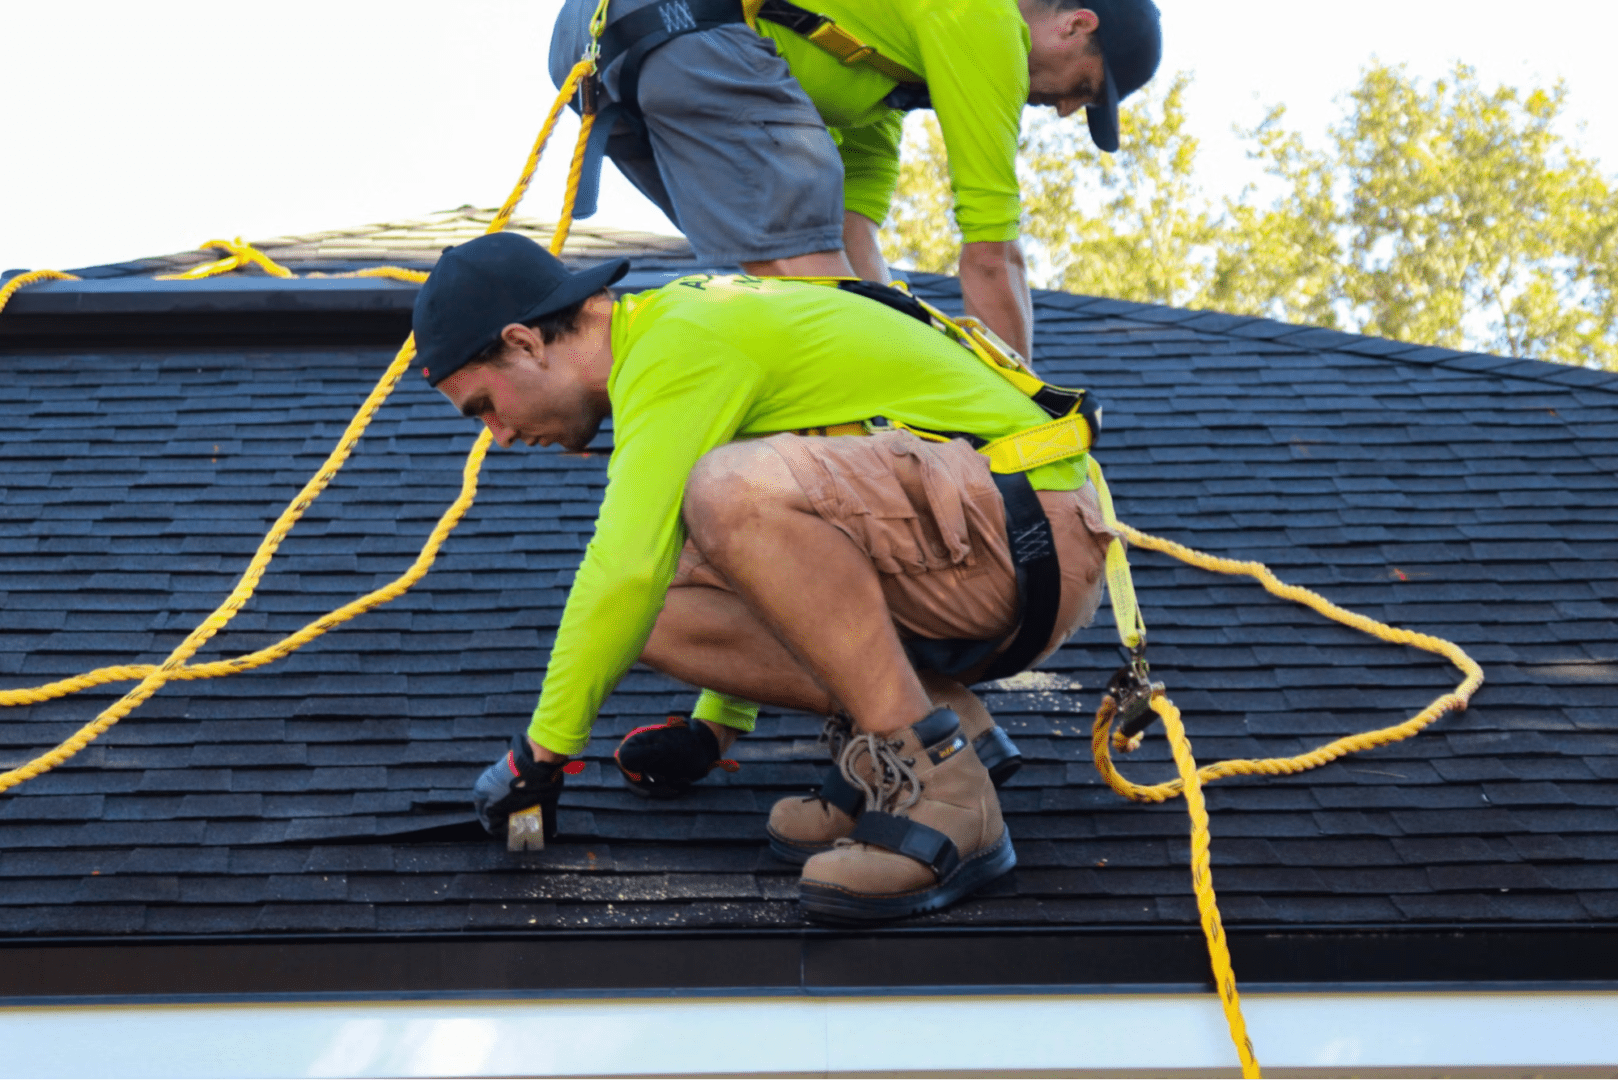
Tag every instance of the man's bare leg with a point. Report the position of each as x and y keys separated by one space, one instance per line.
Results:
x=708 y=637
x=814 y=264
x=803 y=579
x=861 y=256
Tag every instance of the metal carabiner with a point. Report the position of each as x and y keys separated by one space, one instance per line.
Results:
x=1132 y=688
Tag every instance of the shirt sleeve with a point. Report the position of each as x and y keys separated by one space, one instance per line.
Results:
x=681 y=393
x=871 y=165
x=977 y=76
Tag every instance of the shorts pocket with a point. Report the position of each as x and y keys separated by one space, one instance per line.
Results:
x=877 y=515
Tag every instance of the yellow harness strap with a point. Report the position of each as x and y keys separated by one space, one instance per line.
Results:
x=848 y=49
x=1120 y=585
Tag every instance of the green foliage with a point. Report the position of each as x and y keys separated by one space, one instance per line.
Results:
x=920 y=231
x=1447 y=215
x=1147 y=237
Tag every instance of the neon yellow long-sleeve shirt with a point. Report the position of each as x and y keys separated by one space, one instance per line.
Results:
x=704 y=361
x=974 y=56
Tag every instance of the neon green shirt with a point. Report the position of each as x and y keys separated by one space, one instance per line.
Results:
x=974 y=56
x=706 y=360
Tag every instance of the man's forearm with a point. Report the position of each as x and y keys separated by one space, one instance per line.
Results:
x=994 y=288
x=864 y=249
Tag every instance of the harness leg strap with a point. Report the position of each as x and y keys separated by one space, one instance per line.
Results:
x=584 y=202
x=1039 y=575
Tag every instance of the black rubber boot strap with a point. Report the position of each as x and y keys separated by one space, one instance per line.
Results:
x=837 y=791
x=911 y=839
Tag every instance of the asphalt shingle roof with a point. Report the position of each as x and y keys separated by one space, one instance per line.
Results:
x=1469 y=496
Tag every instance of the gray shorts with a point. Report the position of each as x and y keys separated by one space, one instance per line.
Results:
x=731 y=148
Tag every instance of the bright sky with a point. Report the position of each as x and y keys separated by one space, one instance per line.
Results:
x=142 y=129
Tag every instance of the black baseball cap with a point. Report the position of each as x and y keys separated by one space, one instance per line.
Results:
x=480 y=287
x=1131 y=38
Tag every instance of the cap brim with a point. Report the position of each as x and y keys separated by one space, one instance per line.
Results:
x=1103 y=116
x=584 y=284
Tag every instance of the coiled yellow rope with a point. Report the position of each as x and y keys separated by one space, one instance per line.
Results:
x=153 y=677
x=1451 y=702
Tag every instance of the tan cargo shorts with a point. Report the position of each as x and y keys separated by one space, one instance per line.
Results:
x=932 y=522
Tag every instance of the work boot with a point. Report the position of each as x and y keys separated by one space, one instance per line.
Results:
x=516 y=782
x=929 y=834
x=803 y=826
x=662 y=761
x=995 y=748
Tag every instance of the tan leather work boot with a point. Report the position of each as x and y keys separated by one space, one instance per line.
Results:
x=930 y=832
x=805 y=825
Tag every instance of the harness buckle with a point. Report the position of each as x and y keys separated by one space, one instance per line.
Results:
x=1132 y=688
x=857 y=55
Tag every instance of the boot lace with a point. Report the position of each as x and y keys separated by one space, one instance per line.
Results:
x=834 y=734
x=897 y=786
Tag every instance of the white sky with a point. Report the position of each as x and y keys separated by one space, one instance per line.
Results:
x=138 y=129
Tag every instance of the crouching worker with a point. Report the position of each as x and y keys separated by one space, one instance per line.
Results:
x=739 y=550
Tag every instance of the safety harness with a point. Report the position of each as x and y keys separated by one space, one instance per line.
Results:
x=634 y=36
x=1073 y=428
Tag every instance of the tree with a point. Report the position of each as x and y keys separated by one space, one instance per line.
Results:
x=1445 y=215
x=1463 y=204
x=1149 y=238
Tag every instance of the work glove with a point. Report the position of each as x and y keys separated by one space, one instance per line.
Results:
x=662 y=761
x=515 y=782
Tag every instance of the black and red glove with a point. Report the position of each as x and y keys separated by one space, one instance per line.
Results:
x=662 y=761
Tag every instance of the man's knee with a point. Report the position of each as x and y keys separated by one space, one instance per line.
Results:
x=735 y=483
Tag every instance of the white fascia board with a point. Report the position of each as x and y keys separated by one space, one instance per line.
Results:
x=1413 y=1033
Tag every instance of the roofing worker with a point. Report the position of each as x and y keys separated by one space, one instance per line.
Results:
x=778 y=150
x=733 y=553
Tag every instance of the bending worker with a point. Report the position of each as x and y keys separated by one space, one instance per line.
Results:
x=732 y=551
x=769 y=132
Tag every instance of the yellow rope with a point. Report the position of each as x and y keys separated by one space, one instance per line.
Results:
x=9 y=289
x=1213 y=928
x=153 y=677
x=509 y=207
x=240 y=254
x=1322 y=754
x=1103 y=740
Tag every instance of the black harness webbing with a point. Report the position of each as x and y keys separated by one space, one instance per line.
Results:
x=1039 y=595
x=633 y=38
x=635 y=35
x=1039 y=575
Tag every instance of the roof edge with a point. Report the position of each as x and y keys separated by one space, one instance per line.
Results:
x=803 y=960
